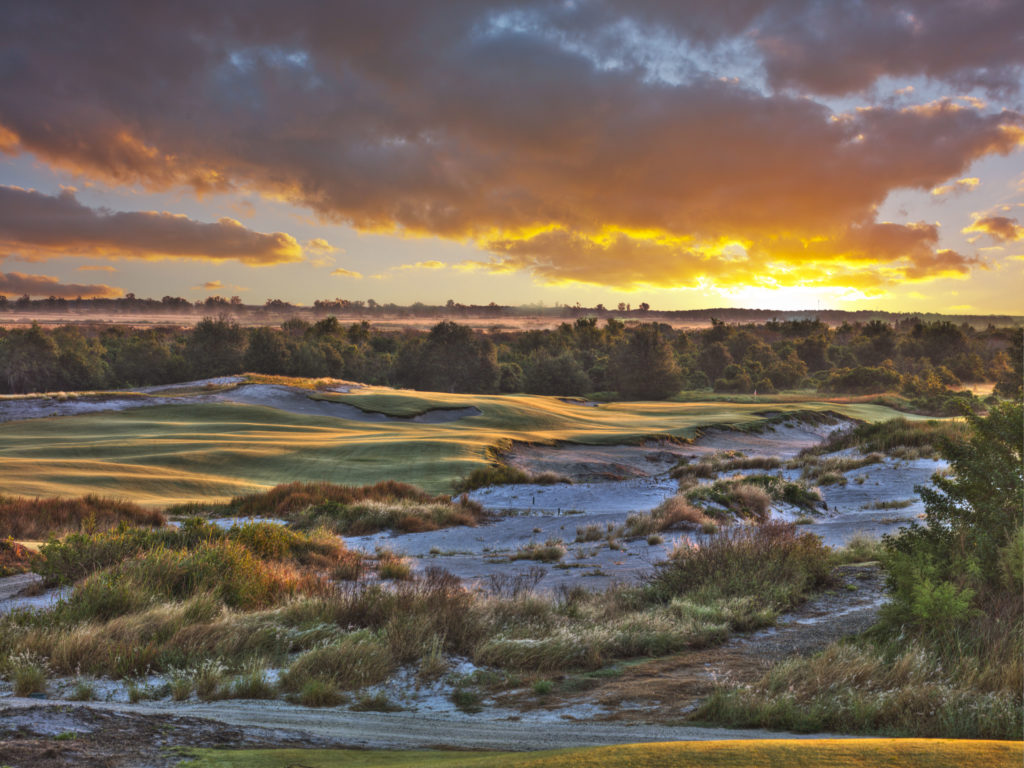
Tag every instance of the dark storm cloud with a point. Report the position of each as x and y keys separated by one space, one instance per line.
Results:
x=501 y=122
x=35 y=226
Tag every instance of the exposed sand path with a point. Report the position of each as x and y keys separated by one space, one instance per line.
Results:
x=404 y=730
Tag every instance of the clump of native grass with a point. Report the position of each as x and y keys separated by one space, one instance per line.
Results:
x=831 y=470
x=348 y=510
x=391 y=565
x=551 y=551
x=688 y=472
x=27 y=672
x=898 y=438
x=751 y=496
x=859 y=548
x=79 y=555
x=23 y=518
x=674 y=512
x=504 y=474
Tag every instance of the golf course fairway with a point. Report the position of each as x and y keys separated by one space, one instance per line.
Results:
x=166 y=454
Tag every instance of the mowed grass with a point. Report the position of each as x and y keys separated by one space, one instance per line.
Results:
x=797 y=753
x=171 y=454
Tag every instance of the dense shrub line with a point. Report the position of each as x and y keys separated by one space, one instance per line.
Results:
x=924 y=361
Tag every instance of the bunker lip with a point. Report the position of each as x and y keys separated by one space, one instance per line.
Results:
x=231 y=389
x=300 y=401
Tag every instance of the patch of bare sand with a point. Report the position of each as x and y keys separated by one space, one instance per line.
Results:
x=596 y=463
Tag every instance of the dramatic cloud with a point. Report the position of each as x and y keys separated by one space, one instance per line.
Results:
x=581 y=141
x=842 y=46
x=1002 y=228
x=17 y=284
x=35 y=226
x=346 y=273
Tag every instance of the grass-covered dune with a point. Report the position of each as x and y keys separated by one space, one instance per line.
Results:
x=171 y=454
x=808 y=753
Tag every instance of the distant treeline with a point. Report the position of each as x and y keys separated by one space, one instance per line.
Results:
x=925 y=361
x=277 y=309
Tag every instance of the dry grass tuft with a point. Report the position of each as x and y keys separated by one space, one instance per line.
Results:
x=672 y=512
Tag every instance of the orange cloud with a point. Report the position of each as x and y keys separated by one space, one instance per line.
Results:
x=958 y=187
x=1002 y=228
x=320 y=245
x=96 y=268
x=17 y=284
x=347 y=273
x=37 y=227
x=430 y=264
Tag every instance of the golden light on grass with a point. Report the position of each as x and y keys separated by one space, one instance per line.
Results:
x=176 y=453
x=753 y=753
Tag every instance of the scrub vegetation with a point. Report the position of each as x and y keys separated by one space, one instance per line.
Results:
x=209 y=609
x=23 y=518
x=921 y=362
x=947 y=656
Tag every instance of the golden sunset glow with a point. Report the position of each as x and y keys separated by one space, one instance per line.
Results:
x=520 y=152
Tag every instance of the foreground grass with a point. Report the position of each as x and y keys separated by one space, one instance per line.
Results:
x=809 y=753
x=174 y=454
x=863 y=688
x=200 y=598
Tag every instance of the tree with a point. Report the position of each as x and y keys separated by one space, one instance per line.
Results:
x=713 y=359
x=555 y=375
x=970 y=544
x=214 y=348
x=645 y=367
x=453 y=358
x=1011 y=378
x=266 y=352
x=28 y=358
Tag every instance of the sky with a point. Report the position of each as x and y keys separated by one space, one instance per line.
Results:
x=786 y=154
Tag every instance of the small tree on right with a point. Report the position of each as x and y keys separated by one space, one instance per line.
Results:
x=966 y=560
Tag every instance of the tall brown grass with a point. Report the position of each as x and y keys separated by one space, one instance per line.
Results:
x=23 y=518
x=672 y=512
